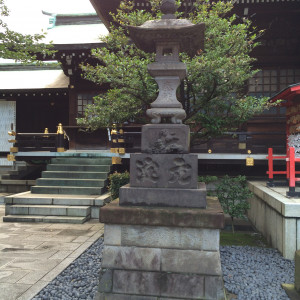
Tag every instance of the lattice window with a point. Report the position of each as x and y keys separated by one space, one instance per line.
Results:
x=268 y=82
x=82 y=100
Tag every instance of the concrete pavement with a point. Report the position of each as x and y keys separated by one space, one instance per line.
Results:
x=33 y=254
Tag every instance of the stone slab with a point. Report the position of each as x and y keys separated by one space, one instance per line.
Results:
x=297 y=270
x=112 y=235
x=138 y=283
x=178 y=171
x=211 y=217
x=187 y=286
x=131 y=258
x=165 y=197
x=112 y=296
x=165 y=138
x=214 y=288
x=191 y=261
x=169 y=237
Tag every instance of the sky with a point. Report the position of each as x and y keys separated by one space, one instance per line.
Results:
x=26 y=15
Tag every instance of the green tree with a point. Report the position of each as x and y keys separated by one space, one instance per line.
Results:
x=233 y=194
x=213 y=93
x=24 y=48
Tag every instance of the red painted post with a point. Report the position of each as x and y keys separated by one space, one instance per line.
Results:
x=270 y=163
x=292 y=169
x=287 y=165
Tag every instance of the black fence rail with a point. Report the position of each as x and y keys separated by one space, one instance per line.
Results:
x=230 y=142
x=39 y=142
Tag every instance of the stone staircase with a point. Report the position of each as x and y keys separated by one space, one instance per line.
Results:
x=71 y=190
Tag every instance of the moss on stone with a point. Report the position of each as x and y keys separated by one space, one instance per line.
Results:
x=242 y=239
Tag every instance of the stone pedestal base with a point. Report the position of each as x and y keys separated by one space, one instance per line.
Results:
x=163 y=196
x=161 y=253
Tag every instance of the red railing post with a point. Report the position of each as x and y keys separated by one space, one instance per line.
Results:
x=270 y=167
x=292 y=182
x=270 y=163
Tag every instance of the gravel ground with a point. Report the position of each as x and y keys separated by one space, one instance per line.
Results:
x=79 y=280
x=248 y=272
x=256 y=273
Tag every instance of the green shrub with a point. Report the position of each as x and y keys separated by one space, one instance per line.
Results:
x=233 y=194
x=116 y=180
x=207 y=179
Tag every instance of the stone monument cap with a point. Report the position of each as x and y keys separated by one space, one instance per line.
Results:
x=189 y=36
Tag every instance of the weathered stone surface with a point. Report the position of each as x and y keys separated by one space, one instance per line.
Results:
x=165 y=138
x=138 y=283
x=131 y=258
x=211 y=217
x=165 y=197
x=187 y=286
x=297 y=270
x=112 y=235
x=110 y=296
x=176 y=115
x=214 y=288
x=105 y=280
x=178 y=171
x=170 y=237
x=191 y=261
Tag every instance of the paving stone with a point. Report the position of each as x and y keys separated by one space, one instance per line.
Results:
x=33 y=290
x=131 y=258
x=12 y=275
x=4 y=261
x=57 y=245
x=33 y=264
x=33 y=277
x=11 y=291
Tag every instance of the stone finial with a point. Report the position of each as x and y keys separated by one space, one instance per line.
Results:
x=168 y=8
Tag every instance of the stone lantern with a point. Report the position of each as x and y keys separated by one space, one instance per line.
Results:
x=161 y=238
x=167 y=37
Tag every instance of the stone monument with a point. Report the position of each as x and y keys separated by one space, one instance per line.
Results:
x=161 y=239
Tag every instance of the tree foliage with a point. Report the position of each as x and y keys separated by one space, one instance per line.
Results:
x=233 y=194
x=213 y=93
x=20 y=47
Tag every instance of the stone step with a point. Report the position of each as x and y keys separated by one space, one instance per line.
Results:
x=68 y=190
x=45 y=219
x=48 y=200
x=48 y=210
x=82 y=161
x=70 y=182
x=79 y=168
x=75 y=174
x=27 y=198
